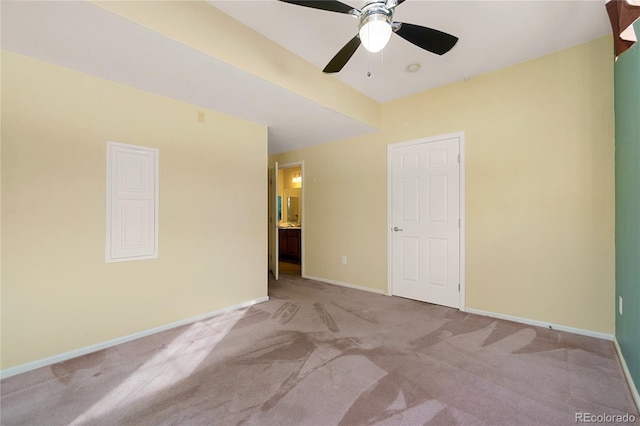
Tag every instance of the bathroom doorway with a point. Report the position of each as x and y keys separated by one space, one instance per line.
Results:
x=287 y=251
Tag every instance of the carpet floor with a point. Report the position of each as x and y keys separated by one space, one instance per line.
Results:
x=317 y=354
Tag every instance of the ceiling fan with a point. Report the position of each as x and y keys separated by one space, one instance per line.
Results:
x=375 y=23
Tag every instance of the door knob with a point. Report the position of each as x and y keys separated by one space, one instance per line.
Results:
x=396 y=229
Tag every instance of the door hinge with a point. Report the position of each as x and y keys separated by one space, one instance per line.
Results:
x=458 y=158
x=458 y=223
x=458 y=287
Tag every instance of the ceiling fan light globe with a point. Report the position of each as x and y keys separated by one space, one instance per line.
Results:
x=375 y=33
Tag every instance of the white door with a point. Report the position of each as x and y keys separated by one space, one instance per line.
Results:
x=425 y=220
x=274 y=250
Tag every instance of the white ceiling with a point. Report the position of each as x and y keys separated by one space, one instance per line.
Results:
x=493 y=34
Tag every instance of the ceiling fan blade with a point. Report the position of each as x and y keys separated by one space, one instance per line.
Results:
x=343 y=56
x=330 y=5
x=427 y=38
x=393 y=3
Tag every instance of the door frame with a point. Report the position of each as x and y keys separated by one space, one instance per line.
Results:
x=390 y=148
x=302 y=214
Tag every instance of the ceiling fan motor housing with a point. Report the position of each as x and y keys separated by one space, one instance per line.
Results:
x=376 y=11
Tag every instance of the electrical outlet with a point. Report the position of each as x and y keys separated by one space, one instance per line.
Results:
x=620 y=304
x=344 y=260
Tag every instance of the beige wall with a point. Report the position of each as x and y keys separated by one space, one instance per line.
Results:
x=287 y=177
x=58 y=294
x=539 y=188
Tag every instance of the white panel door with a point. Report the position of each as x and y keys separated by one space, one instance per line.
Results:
x=131 y=202
x=274 y=243
x=425 y=234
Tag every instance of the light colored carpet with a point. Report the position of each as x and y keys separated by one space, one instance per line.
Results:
x=317 y=354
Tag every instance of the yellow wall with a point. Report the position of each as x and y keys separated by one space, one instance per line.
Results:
x=58 y=294
x=539 y=188
x=288 y=177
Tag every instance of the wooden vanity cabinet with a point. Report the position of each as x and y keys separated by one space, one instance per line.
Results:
x=289 y=240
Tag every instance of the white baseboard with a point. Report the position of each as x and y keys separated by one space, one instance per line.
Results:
x=8 y=372
x=536 y=323
x=627 y=374
x=342 y=284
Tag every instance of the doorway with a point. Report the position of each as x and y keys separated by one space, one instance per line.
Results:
x=426 y=220
x=286 y=219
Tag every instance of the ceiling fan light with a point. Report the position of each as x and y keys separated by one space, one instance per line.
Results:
x=375 y=32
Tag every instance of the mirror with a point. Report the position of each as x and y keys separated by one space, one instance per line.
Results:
x=293 y=209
